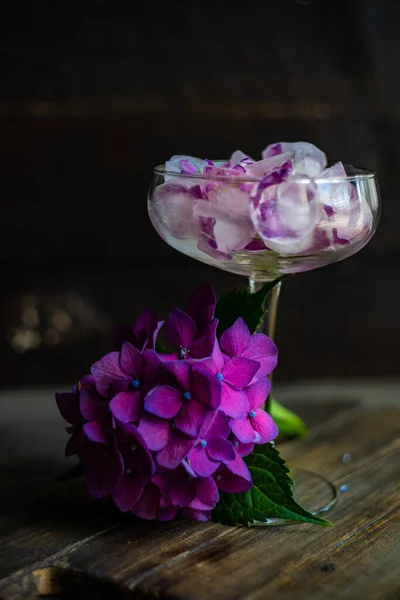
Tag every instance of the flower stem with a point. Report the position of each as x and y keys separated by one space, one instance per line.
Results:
x=268 y=324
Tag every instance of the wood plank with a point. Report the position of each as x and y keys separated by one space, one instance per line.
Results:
x=73 y=544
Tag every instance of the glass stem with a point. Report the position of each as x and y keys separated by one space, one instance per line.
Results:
x=268 y=324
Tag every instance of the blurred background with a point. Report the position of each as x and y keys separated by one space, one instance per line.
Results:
x=93 y=95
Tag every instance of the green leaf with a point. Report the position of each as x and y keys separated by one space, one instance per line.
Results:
x=242 y=303
x=289 y=424
x=270 y=497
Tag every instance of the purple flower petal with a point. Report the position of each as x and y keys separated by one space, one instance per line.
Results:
x=240 y=371
x=148 y=504
x=75 y=443
x=96 y=432
x=201 y=305
x=127 y=492
x=182 y=493
x=257 y=393
x=206 y=388
x=104 y=468
x=235 y=340
x=265 y=427
x=146 y=328
x=175 y=451
x=218 y=427
x=127 y=406
x=131 y=360
x=262 y=349
x=243 y=430
x=155 y=431
x=68 y=405
x=152 y=367
x=182 y=372
x=215 y=363
x=167 y=513
x=191 y=417
x=180 y=329
x=241 y=448
x=234 y=403
x=107 y=371
x=201 y=464
x=233 y=482
x=164 y=401
x=92 y=405
x=220 y=449
x=134 y=451
x=203 y=345
x=207 y=491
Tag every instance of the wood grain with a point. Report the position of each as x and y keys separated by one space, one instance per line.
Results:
x=61 y=543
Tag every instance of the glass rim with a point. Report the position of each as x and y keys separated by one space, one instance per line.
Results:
x=361 y=175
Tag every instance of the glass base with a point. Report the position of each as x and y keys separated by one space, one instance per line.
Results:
x=313 y=491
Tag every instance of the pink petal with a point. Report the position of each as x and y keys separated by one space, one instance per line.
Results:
x=234 y=403
x=240 y=371
x=262 y=349
x=201 y=464
x=68 y=405
x=164 y=401
x=155 y=431
x=107 y=371
x=206 y=388
x=243 y=430
x=131 y=360
x=265 y=427
x=175 y=451
x=220 y=449
x=235 y=339
x=257 y=393
x=191 y=417
x=147 y=505
x=201 y=305
x=128 y=492
x=127 y=406
x=180 y=328
x=96 y=432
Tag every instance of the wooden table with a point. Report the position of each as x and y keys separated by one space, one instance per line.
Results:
x=56 y=542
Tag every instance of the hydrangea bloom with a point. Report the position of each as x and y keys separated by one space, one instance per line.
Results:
x=161 y=434
x=244 y=204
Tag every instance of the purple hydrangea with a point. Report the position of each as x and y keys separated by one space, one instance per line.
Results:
x=162 y=434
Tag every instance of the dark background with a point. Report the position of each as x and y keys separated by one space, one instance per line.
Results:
x=94 y=94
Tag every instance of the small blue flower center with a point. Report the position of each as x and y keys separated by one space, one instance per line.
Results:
x=220 y=377
x=135 y=384
x=203 y=443
x=183 y=352
x=252 y=414
x=187 y=396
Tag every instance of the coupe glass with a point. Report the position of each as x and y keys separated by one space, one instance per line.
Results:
x=306 y=224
